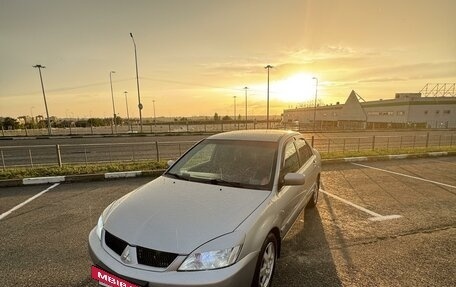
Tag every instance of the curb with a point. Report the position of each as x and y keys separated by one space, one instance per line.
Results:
x=43 y=180
x=157 y=173
x=389 y=157
x=80 y=178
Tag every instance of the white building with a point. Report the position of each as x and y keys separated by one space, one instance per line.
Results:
x=405 y=110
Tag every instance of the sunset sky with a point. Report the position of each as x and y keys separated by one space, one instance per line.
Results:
x=195 y=55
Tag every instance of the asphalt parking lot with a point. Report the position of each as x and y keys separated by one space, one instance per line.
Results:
x=388 y=223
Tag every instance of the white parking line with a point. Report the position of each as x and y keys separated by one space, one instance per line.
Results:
x=5 y=214
x=376 y=216
x=406 y=175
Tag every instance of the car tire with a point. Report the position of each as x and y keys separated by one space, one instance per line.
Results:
x=266 y=262
x=314 y=199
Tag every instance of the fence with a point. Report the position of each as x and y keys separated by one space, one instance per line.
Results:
x=85 y=154
x=356 y=144
x=205 y=127
x=173 y=128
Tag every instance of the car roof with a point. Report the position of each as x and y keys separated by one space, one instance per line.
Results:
x=254 y=135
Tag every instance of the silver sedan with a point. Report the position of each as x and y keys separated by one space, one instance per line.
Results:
x=216 y=217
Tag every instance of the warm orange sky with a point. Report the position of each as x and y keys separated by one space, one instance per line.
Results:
x=195 y=55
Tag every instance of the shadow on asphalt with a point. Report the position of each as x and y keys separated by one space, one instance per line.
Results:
x=306 y=255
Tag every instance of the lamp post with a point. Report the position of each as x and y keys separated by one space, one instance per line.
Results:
x=31 y=112
x=315 y=104
x=140 y=106
x=44 y=96
x=113 y=105
x=155 y=122
x=235 y=121
x=246 y=88
x=268 y=67
x=128 y=114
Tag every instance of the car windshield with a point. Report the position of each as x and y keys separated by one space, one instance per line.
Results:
x=247 y=164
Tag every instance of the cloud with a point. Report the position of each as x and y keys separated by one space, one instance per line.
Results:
x=326 y=60
x=329 y=52
x=382 y=80
x=407 y=72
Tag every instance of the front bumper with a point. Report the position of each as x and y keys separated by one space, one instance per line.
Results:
x=239 y=274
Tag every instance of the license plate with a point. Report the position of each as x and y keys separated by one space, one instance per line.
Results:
x=107 y=279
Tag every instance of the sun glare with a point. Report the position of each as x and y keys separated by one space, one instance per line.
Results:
x=297 y=88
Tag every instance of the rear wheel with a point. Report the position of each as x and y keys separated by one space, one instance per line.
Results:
x=314 y=200
x=266 y=263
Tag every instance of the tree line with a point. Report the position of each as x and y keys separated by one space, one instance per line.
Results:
x=9 y=123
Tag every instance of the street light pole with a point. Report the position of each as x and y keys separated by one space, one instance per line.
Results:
x=113 y=106
x=315 y=104
x=31 y=112
x=246 y=88
x=140 y=106
x=268 y=67
x=128 y=114
x=155 y=123
x=44 y=96
x=235 y=121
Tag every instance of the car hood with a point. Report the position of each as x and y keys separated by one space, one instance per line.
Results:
x=178 y=216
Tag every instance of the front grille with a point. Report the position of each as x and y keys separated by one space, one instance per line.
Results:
x=116 y=244
x=145 y=256
x=154 y=258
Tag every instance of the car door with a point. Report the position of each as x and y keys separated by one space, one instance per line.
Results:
x=308 y=167
x=289 y=197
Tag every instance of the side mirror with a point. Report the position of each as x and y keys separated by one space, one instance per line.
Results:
x=294 y=179
x=170 y=162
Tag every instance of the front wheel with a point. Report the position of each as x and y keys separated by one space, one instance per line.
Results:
x=266 y=263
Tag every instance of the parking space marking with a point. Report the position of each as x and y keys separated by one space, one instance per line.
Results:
x=375 y=216
x=406 y=175
x=5 y=214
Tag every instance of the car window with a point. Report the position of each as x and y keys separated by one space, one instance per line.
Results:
x=291 y=160
x=248 y=164
x=304 y=150
x=202 y=156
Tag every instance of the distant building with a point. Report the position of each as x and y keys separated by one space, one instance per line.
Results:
x=405 y=110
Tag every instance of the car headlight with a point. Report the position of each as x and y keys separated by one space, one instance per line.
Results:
x=210 y=259
x=101 y=219
x=100 y=226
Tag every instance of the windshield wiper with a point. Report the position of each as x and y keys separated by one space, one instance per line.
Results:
x=224 y=182
x=214 y=181
x=177 y=176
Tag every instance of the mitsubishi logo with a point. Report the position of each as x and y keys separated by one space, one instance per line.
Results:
x=125 y=257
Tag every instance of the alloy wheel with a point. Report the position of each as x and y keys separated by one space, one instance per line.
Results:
x=267 y=265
